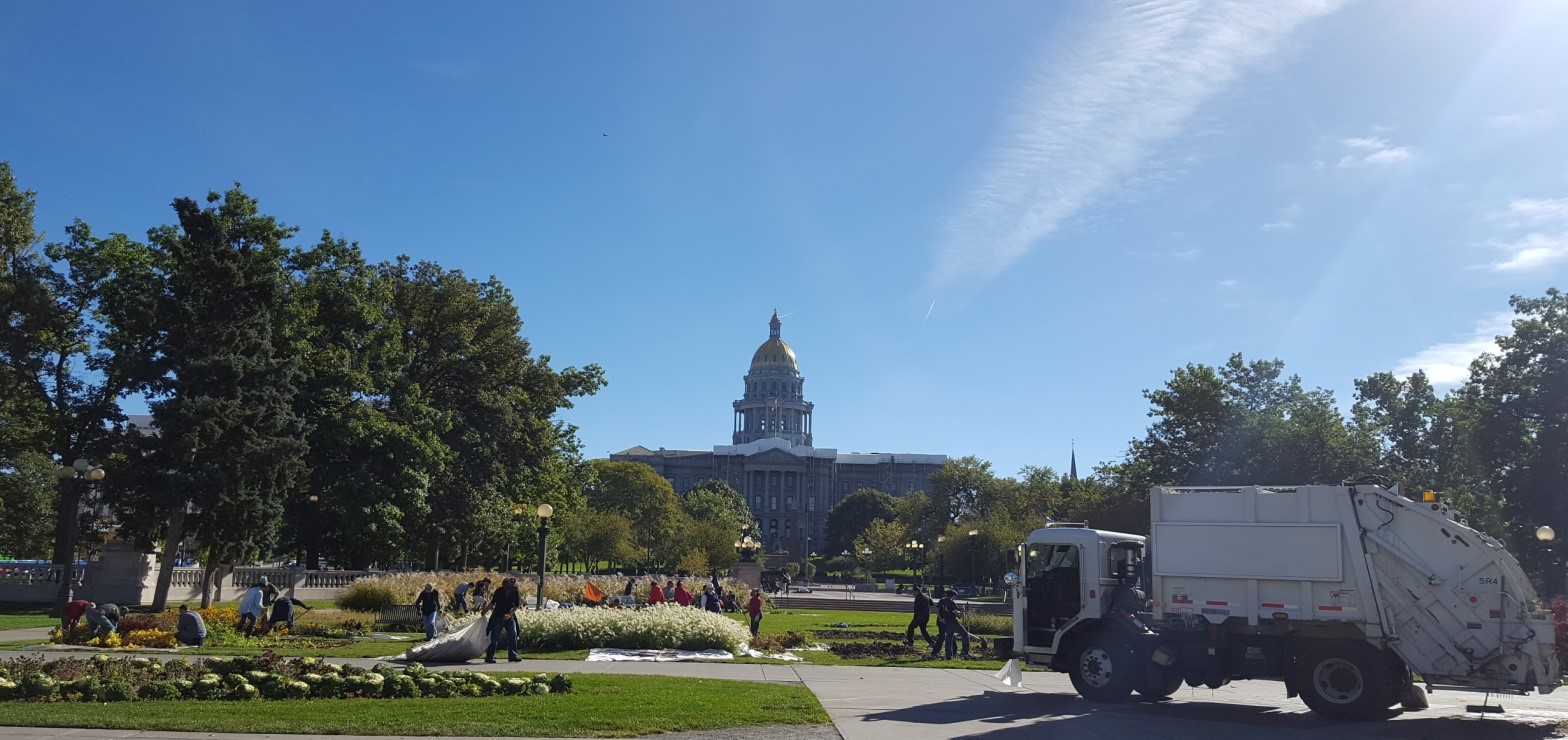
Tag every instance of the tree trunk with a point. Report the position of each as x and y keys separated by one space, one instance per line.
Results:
x=171 y=551
x=206 y=579
x=66 y=515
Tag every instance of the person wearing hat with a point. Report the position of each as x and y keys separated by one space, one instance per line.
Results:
x=754 y=611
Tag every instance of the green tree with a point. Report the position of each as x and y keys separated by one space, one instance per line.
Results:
x=374 y=443
x=635 y=491
x=716 y=502
x=1521 y=394
x=223 y=374
x=1242 y=423
x=59 y=376
x=853 y=514
x=592 y=537
x=961 y=487
x=27 y=501
x=465 y=359
x=885 y=540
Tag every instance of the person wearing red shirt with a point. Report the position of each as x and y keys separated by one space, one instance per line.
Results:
x=754 y=610
x=72 y=613
x=682 y=596
x=655 y=594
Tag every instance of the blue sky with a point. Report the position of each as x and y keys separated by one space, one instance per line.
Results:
x=989 y=226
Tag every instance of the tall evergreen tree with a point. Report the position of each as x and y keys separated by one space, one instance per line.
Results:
x=223 y=375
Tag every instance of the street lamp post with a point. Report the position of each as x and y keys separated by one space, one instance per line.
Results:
x=545 y=511
x=71 y=481
x=941 y=561
x=916 y=550
x=805 y=557
x=974 y=558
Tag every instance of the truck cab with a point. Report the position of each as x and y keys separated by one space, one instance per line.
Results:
x=1071 y=576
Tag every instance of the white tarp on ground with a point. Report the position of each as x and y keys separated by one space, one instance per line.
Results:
x=1011 y=674
x=655 y=656
x=459 y=646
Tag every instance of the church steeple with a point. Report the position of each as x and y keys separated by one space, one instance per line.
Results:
x=774 y=325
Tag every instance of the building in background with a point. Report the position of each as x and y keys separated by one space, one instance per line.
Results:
x=789 y=484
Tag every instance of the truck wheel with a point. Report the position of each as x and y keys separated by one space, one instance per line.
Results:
x=1344 y=680
x=1102 y=668
x=1159 y=682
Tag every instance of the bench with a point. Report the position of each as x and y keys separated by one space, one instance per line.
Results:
x=405 y=615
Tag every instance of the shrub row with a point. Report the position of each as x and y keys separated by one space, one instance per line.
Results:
x=102 y=679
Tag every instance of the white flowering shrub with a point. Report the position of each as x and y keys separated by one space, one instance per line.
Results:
x=653 y=628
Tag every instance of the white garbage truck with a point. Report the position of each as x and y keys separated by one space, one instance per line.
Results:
x=1355 y=595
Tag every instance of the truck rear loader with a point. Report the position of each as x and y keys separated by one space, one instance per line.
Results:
x=1347 y=593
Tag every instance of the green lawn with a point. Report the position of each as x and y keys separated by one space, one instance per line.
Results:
x=599 y=706
x=16 y=618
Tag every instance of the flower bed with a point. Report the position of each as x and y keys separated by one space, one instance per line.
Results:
x=105 y=679
x=655 y=628
x=157 y=631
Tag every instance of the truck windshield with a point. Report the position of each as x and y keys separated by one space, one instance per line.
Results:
x=1044 y=558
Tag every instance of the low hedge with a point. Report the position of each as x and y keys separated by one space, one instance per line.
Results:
x=105 y=679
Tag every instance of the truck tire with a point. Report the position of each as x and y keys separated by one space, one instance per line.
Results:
x=1159 y=682
x=1345 y=680
x=1101 y=667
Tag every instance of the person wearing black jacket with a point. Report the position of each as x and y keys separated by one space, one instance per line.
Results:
x=947 y=627
x=283 y=612
x=503 y=619
x=429 y=603
x=921 y=619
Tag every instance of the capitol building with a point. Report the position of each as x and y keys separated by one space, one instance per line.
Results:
x=789 y=483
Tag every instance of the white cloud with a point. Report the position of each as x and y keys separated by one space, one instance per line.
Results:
x=1448 y=364
x=1546 y=242
x=1537 y=211
x=1091 y=117
x=1370 y=142
x=1523 y=122
x=1531 y=252
x=1285 y=221
x=1228 y=283
x=1372 y=151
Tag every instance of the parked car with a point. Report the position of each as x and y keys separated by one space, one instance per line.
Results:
x=966 y=590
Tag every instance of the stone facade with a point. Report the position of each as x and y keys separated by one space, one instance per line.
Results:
x=789 y=484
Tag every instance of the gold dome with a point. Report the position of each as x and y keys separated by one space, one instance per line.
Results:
x=774 y=353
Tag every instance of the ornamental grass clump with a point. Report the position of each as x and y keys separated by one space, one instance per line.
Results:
x=656 y=628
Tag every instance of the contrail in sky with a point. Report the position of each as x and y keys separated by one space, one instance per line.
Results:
x=1096 y=109
x=928 y=312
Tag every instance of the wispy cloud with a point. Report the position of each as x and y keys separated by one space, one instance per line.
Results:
x=1087 y=121
x=1285 y=220
x=1523 y=122
x=1544 y=242
x=1372 y=151
x=1448 y=363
